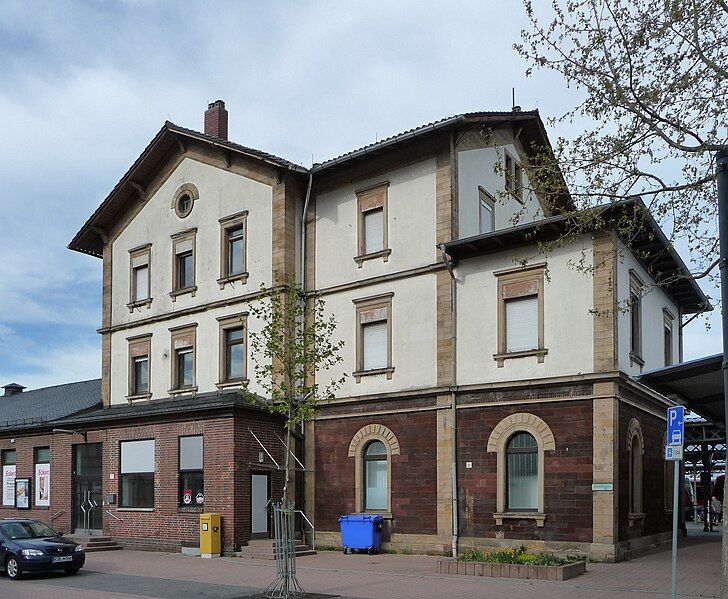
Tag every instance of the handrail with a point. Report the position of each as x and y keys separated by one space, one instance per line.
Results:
x=57 y=514
x=313 y=529
x=113 y=515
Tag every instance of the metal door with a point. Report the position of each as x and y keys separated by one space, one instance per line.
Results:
x=87 y=492
x=259 y=494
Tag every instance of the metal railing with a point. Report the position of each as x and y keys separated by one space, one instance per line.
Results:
x=313 y=529
x=113 y=515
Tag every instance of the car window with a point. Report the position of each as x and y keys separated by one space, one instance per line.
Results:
x=26 y=530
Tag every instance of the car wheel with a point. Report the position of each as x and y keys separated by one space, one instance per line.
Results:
x=71 y=571
x=12 y=568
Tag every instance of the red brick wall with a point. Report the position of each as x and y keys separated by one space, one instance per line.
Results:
x=568 y=473
x=414 y=471
x=653 y=473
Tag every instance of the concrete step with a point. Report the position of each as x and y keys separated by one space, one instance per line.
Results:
x=95 y=543
x=264 y=549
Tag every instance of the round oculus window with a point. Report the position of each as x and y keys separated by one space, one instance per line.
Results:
x=184 y=205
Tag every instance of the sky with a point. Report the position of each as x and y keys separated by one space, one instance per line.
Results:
x=86 y=85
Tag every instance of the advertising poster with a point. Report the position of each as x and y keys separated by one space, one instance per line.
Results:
x=42 y=485
x=22 y=493
x=9 y=485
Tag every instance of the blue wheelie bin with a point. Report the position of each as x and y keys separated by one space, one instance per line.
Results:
x=361 y=531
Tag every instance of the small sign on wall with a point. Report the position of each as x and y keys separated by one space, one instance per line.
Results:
x=602 y=487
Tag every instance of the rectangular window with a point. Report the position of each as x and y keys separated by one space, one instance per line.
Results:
x=372 y=223
x=42 y=461
x=513 y=179
x=136 y=489
x=191 y=472
x=518 y=182
x=183 y=264
x=487 y=211
x=183 y=358
x=233 y=349
x=635 y=318
x=520 y=313
x=374 y=336
x=140 y=277
x=233 y=254
x=140 y=351
x=668 y=319
x=8 y=465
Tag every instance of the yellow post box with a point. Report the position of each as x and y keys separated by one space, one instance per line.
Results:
x=210 y=535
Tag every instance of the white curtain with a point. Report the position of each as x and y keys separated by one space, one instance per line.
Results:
x=522 y=324
x=376 y=485
x=137 y=456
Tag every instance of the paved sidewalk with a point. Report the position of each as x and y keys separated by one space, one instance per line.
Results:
x=133 y=574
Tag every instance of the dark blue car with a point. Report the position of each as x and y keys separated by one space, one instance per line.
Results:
x=31 y=546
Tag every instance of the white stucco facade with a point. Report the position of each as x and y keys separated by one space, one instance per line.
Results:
x=478 y=167
x=654 y=301
x=411 y=226
x=568 y=323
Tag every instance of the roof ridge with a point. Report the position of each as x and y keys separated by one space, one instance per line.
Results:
x=58 y=385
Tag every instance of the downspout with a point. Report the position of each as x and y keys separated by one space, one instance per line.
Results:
x=453 y=398
x=302 y=265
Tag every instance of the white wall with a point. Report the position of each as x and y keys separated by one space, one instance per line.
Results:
x=568 y=324
x=653 y=302
x=222 y=193
x=477 y=167
x=414 y=336
x=207 y=353
x=412 y=222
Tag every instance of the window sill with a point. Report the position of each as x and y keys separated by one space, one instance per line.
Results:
x=232 y=384
x=539 y=517
x=186 y=509
x=539 y=353
x=383 y=254
x=635 y=359
x=184 y=391
x=139 y=304
x=177 y=292
x=360 y=373
x=242 y=277
x=635 y=519
x=139 y=397
x=135 y=509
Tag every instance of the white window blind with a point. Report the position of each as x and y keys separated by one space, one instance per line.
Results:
x=141 y=283
x=522 y=323
x=373 y=231
x=137 y=456
x=190 y=453
x=375 y=345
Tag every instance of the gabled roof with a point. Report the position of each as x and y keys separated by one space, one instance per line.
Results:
x=654 y=249
x=49 y=403
x=89 y=239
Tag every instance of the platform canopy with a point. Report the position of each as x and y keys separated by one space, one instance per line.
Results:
x=698 y=384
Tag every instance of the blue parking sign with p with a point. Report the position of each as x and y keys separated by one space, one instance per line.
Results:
x=675 y=425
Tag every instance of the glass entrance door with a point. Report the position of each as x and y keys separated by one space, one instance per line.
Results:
x=87 y=486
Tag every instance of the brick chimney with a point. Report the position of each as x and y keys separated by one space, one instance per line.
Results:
x=216 y=120
x=12 y=389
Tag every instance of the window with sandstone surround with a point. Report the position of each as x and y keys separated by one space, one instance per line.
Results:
x=183 y=342
x=233 y=350
x=372 y=449
x=184 y=199
x=635 y=451
x=183 y=263
x=636 y=291
x=521 y=442
x=487 y=211
x=374 y=336
x=372 y=228
x=520 y=313
x=233 y=249
x=140 y=277
x=140 y=352
x=668 y=324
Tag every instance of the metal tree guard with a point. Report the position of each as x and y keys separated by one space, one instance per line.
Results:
x=286 y=585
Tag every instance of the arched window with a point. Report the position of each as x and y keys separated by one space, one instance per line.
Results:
x=522 y=473
x=635 y=450
x=375 y=476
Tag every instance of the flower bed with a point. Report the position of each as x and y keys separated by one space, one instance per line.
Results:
x=512 y=563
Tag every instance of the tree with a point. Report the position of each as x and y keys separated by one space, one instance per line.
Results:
x=293 y=346
x=651 y=76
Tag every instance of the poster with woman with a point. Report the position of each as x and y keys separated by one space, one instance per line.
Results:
x=22 y=493
x=9 y=485
x=42 y=485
